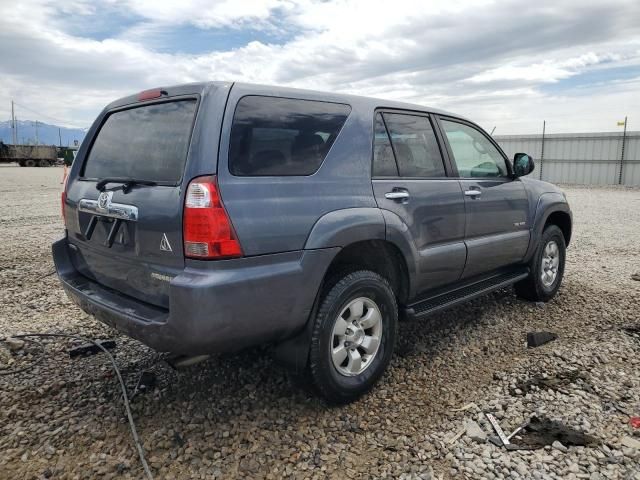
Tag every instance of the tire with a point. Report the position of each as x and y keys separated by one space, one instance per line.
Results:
x=357 y=296
x=44 y=163
x=21 y=163
x=30 y=162
x=552 y=249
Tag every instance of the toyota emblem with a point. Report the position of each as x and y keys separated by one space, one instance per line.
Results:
x=104 y=200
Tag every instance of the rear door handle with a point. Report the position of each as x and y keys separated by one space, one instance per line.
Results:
x=397 y=195
x=473 y=193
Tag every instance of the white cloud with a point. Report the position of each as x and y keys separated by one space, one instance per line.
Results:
x=491 y=61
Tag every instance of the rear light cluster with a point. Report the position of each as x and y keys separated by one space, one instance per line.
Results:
x=208 y=233
x=63 y=195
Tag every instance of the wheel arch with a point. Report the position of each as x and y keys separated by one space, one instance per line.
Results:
x=361 y=235
x=562 y=220
x=551 y=208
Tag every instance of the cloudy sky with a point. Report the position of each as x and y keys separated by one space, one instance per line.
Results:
x=508 y=64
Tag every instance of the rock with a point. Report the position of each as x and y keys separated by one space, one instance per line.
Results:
x=559 y=446
x=474 y=431
x=630 y=442
x=5 y=357
x=14 y=344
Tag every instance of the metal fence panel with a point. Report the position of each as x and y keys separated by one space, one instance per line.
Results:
x=580 y=158
x=631 y=171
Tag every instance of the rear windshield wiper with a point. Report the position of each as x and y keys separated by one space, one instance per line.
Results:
x=127 y=183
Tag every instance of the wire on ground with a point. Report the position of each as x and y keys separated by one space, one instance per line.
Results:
x=127 y=406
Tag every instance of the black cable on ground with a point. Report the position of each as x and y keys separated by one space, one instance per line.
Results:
x=127 y=406
x=37 y=361
x=46 y=275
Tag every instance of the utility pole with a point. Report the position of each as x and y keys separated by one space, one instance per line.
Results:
x=59 y=138
x=624 y=138
x=14 y=133
x=37 y=132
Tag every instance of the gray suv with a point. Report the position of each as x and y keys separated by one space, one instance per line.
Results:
x=209 y=217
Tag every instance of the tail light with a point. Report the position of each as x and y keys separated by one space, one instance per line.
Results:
x=207 y=229
x=63 y=195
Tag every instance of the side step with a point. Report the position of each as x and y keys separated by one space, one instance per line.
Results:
x=444 y=300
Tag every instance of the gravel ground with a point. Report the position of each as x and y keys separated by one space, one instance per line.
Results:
x=237 y=416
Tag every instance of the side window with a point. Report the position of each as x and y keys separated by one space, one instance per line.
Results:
x=384 y=163
x=415 y=145
x=474 y=154
x=282 y=136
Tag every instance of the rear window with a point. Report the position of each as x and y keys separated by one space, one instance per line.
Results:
x=282 y=136
x=145 y=143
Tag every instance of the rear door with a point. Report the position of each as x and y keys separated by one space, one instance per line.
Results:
x=497 y=227
x=129 y=236
x=410 y=179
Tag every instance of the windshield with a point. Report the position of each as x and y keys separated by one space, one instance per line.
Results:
x=144 y=143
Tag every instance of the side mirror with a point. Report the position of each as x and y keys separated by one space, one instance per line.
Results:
x=523 y=164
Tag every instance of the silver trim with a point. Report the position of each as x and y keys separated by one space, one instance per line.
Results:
x=113 y=210
x=396 y=195
x=472 y=193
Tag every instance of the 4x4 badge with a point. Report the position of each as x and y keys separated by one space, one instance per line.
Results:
x=165 y=246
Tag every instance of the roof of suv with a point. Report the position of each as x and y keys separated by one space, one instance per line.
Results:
x=339 y=97
x=272 y=90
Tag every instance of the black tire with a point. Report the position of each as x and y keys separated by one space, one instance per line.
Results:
x=21 y=163
x=533 y=288
x=30 y=162
x=328 y=382
x=44 y=163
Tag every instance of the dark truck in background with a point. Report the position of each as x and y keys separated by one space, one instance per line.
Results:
x=209 y=217
x=29 y=155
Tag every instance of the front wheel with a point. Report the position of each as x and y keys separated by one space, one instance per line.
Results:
x=547 y=268
x=353 y=336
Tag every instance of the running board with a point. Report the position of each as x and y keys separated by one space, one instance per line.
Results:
x=460 y=295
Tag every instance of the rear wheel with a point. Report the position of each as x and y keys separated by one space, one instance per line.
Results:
x=21 y=163
x=30 y=162
x=547 y=267
x=353 y=336
x=44 y=163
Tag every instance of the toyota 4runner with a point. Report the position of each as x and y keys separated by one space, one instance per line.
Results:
x=209 y=217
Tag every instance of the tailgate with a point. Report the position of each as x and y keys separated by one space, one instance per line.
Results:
x=124 y=209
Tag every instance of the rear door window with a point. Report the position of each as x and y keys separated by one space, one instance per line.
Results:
x=144 y=143
x=282 y=136
x=415 y=145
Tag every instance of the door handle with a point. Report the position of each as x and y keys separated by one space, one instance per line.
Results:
x=397 y=195
x=473 y=193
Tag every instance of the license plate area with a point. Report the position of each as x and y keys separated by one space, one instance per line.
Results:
x=111 y=220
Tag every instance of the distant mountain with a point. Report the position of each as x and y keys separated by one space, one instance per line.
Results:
x=47 y=134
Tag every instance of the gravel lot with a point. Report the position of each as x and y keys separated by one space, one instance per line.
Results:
x=238 y=417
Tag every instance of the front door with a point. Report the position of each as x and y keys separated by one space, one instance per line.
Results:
x=410 y=180
x=497 y=226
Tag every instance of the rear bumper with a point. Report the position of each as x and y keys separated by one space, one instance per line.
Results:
x=214 y=306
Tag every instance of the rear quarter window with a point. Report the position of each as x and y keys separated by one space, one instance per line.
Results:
x=272 y=136
x=149 y=142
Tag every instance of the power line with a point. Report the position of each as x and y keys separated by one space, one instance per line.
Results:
x=44 y=115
